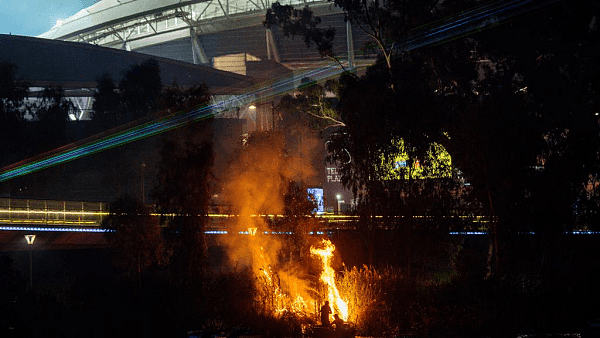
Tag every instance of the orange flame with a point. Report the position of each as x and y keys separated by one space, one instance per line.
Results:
x=283 y=301
x=340 y=306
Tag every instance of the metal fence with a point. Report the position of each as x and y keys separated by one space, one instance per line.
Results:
x=15 y=211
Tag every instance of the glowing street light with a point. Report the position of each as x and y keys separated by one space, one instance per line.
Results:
x=339 y=203
x=30 y=239
x=253 y=108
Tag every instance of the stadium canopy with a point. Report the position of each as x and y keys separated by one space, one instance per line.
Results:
x=198 y=31
x=75 y=66
x=131 y=24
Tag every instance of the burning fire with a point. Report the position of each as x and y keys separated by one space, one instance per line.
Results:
x=340 y=306
x=284 y=293
x=254 y=187
x=283 y=301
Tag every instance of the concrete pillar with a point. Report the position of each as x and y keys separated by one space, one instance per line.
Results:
x=197 y=50
x=350 y=44
x=272 y=50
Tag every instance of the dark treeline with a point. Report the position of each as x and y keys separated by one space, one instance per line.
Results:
x=30 y=127
x=516 y=107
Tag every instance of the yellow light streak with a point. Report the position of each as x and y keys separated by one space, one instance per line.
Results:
x=43 y=221
x=50 y=212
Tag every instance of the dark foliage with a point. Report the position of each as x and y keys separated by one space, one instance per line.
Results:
x=517 y=115
x=174 y=98
x=185 y=184
x=295 y=22
x=137 y=95
x=139 y=89
x=52 y=115
x=137 y=238
x=13 y=92
x=106 y=110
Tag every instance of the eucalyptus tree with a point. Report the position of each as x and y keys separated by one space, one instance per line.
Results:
x=517 y=115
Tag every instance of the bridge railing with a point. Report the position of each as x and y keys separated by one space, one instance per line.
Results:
x=15 y=211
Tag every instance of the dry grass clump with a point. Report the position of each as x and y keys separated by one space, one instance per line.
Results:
x=366 y=290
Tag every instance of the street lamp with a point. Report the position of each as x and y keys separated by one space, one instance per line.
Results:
x=253 y=107
x=30 y=239
x=339 y=203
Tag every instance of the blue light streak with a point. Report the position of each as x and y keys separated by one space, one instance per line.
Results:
x=468 y=233
x=225 y=232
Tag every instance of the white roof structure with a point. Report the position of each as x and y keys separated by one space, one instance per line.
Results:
x=139 y=23
x=197 y=31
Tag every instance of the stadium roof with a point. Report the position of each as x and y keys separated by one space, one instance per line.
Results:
x=72 y=65
x=107 y=12
x=133 y=24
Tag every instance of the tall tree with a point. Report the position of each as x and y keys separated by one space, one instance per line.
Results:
x=552 y=70
x=185 y=183
x=136 y=237
x=140 y=88
x=53 y=114
x=107 y=110
x=13 y=92
x=137 y=95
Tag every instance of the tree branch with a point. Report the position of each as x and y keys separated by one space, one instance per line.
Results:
x=324 y=117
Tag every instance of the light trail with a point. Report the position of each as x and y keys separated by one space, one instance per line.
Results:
x=472 y=21
x=225 y=232
x=444 y=30
x=96 y=144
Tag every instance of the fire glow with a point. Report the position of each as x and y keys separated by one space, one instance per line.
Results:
x=285 y=300
x=288 y=287
x=292 y=274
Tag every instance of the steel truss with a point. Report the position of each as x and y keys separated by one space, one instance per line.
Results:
x=179 y=20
